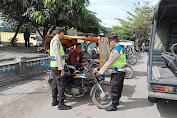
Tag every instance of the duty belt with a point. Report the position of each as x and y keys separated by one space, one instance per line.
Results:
x=118 y=68
x=53 y=58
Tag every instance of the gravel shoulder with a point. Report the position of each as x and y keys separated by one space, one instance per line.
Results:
x=8 y=54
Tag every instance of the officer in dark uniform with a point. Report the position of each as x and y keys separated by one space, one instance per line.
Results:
x=116 y=63
x=57 y=63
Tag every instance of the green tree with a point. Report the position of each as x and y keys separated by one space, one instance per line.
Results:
x=138 y=22
x=11 y=13
x=73 y=13
x=45 y=15
x=65 y=13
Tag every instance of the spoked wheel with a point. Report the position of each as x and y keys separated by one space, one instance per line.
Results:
x=132 y=60
x=138 y=55
x=102 y=100
x=128 y=72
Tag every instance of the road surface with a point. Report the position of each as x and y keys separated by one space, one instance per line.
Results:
x=32 y=99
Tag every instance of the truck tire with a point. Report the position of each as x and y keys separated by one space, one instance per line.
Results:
x=151 y=99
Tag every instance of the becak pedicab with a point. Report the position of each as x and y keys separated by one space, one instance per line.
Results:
x=81 y=81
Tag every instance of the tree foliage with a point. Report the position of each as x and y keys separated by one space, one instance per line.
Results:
x=11 y=13
x=47 y=14
x=137 y=24
x=72 y=13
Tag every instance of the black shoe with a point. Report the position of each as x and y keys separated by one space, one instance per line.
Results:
x=113 y=107
x=62 y=106
x=54 y=101
x=117 y=103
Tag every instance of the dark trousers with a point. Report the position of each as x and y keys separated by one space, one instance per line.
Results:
x=27 y=43
x=116 y=86
x=58 y=84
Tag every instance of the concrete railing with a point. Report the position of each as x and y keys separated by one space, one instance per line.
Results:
x=21 y=69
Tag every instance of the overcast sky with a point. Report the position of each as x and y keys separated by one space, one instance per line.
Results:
x=108 y=10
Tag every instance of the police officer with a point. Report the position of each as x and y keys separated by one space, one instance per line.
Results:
x=116 y=63
x=57 y=67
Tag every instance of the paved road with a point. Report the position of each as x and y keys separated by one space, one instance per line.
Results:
x=31 y=99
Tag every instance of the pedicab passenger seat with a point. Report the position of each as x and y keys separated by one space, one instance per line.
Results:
x=69 y=71
x=46 y=64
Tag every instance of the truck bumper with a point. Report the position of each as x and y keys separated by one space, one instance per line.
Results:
x=163 y=95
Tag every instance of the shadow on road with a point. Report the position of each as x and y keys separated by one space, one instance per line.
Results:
x=139 y=62
x=22 y=82
x=86 y=99
x=139 y=73
x=135 y=103
x=132 y=103
x=167 y=110
x=128 y=91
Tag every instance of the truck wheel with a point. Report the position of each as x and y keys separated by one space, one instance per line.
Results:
x=151 y=99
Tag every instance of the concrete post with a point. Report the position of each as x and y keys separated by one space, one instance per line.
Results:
x=22 y=65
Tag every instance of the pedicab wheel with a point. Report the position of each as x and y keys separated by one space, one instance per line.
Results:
x=98 y=99
x=128 y=72
x=152 y=99
x=132 y=60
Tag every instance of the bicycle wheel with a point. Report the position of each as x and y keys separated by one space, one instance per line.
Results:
x=138 y=55
x=128 y=72
x=132 y=60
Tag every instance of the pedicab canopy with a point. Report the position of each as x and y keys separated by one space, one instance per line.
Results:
x=70 y=41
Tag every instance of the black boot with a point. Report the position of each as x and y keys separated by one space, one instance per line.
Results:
x=113 y=107
x=62 y=106
x=54 y=100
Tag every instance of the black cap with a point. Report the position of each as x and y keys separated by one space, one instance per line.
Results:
x=113 y=37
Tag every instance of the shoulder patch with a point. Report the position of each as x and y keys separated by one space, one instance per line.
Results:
x=113 y=54
x=58 y=44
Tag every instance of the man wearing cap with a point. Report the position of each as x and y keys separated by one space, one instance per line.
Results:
x=57 y=63
x=116 y=63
